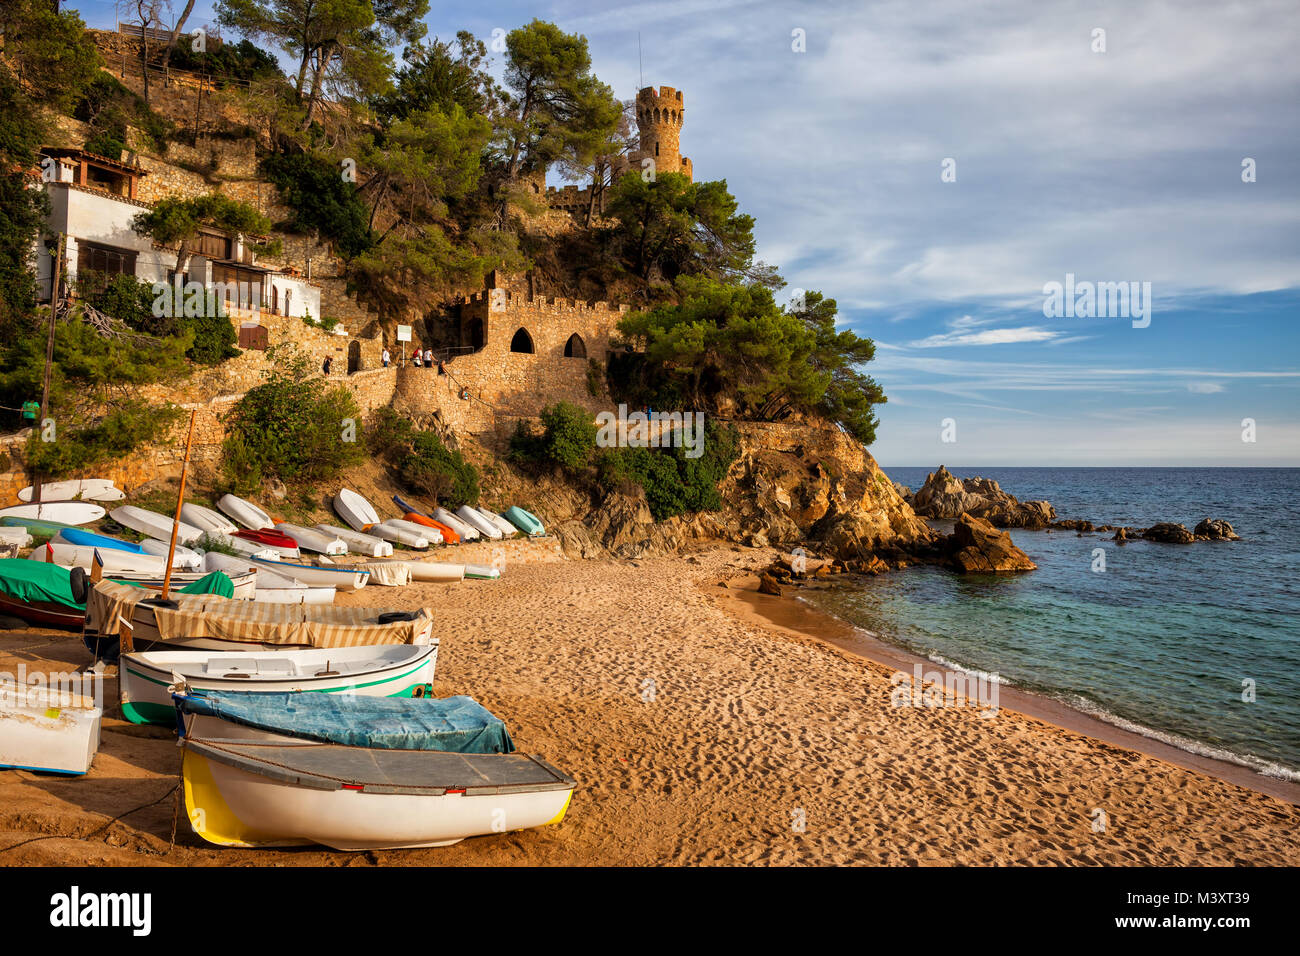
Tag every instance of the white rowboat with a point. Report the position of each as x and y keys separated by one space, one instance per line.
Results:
x=154 y=525
x=356 y=511
x=386 y=670
x=466 y=531
x=86 y=489
x=359 y=541
x=245 y=513
x=310 y=539
x=64 y=512
x=245 y=793
x=207 y=520
x=407 y=538
x=477 y=521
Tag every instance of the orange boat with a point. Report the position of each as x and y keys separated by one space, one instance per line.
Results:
x=449 y=536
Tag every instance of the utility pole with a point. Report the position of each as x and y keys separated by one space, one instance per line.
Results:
x=49 y=349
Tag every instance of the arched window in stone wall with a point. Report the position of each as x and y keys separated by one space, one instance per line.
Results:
x=575 y=347
x=522 y=342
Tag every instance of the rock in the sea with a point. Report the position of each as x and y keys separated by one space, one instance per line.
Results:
x=1216 y=530
x=978 y=547
x=1169 y=533
x=1121 y=536
x=768 y=585
x=946 y=496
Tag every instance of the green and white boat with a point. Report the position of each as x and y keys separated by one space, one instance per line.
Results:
x=386 y=670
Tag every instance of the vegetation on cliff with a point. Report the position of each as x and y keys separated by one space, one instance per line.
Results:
x=421 y=460
x=293 y=427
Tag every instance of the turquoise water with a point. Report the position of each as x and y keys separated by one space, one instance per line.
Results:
x=1159 y=641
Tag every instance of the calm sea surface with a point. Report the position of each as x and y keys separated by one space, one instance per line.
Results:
x=1163 y=640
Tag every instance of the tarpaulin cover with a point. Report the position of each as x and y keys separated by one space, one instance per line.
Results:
x=37 y=581
x=452 y=724
x=252 y=622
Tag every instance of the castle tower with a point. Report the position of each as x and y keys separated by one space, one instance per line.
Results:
x=659 y=117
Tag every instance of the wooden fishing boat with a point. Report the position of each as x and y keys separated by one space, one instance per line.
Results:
x=245 y=513
x=359 y=541
x=270 y=586
x=63 y=512
x=47 y=729
x=182 y=557
x=41 y=594
x=525 y=521
x=250 y=794
x=205 y=622
x=356 y=772
x=397 y=670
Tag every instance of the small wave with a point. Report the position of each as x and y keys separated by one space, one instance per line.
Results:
x=1265 y=768
x=985 y=676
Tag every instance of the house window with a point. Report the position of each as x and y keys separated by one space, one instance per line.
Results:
x=522 y=342
x=92 y=257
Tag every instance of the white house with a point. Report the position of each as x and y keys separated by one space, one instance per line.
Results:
x=92 y=202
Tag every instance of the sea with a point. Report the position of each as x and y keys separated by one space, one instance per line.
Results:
x=1194 y=645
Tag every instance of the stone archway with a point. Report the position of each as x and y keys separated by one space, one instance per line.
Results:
x=354 y=356
x=522 y=342
x=575 y=347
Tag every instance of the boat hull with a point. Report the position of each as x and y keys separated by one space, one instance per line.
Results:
x=62 y=512
x=406 y=671
x=343 y=579
x=356 y=511
x=466 y=531
x=43 y=730
x=244 y=513
x=243 y=803
x=358 y=541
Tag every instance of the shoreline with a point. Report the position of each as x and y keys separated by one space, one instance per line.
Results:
x=790 y=614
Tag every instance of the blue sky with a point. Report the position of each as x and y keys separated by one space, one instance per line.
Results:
x=1123 y=165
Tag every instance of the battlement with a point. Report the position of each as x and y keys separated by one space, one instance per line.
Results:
x=663 y=109
x=570 y=198
x=502 y=300
x=664 y=93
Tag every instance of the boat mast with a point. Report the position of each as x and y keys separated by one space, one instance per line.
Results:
x=180 y=500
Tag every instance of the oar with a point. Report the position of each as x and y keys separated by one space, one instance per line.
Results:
x=180 y=500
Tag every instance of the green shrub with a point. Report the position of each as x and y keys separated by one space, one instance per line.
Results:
x=568 y=439
x=290 y=428
x=388 y=435
x=120 y=432
x=674 y=484
x=595 y=378
x=214 y=337
x=434 y=470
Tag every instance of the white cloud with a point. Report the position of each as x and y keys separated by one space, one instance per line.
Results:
x=986 y=337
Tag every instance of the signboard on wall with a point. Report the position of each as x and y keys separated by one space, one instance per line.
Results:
x=403 y=333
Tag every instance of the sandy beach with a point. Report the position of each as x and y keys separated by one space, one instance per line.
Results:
x=700 y=733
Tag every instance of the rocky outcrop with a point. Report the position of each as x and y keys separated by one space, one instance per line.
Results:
x=1213 y=529
x=977 y=547
x=1169 y=533
x=946 y=496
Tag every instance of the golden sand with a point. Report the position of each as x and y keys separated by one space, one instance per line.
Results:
x=698 y=734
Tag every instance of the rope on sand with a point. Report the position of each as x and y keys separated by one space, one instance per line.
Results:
x=93 y=833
